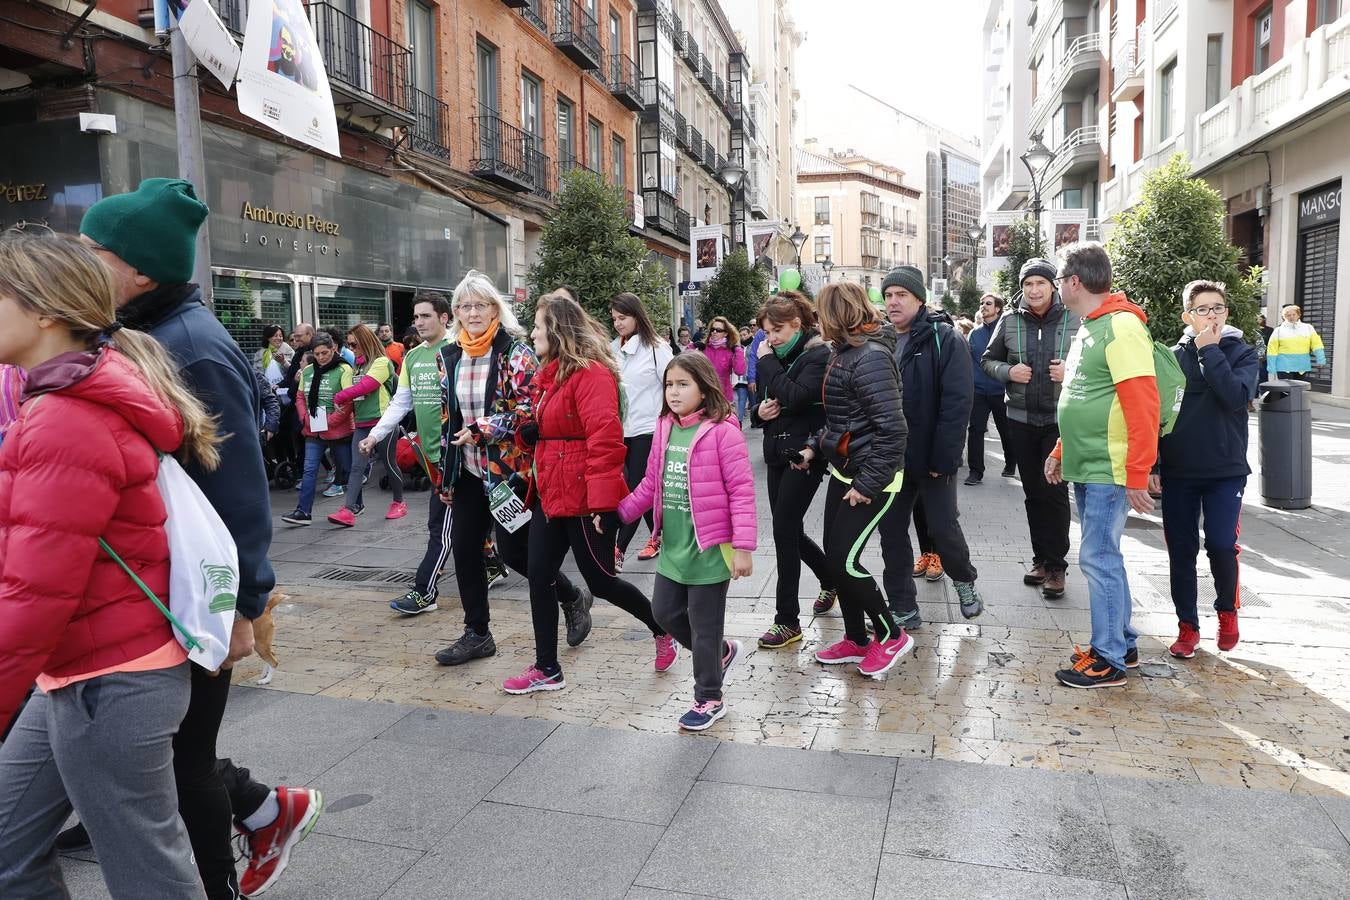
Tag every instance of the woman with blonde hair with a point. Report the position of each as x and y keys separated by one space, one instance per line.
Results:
x=100 y=406
x=863 y=442
x=374 y=381
x=724 y=351
x=485 y=393
x=578 y=451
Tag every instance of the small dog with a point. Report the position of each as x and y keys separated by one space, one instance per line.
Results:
x=264 y=630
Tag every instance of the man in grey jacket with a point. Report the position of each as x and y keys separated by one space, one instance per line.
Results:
x=1026 y=353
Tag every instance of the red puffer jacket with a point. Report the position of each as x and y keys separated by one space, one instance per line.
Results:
x=578 y=458
x=80 y=465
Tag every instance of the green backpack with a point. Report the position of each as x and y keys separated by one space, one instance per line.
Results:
x=1171 y=387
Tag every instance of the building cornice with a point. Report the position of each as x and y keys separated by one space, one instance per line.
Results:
x=855 y=175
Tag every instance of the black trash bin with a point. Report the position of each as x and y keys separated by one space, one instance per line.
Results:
x=1286 y=444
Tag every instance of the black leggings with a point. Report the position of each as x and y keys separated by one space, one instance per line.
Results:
x=634 y=467
x=550 y=539
x=847 y=531
x=790 y=494
x=203 y=802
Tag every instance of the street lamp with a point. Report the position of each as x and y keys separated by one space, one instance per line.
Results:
x=798 y=239
x=1037 y=159
x=826 y=266
x=731 y=175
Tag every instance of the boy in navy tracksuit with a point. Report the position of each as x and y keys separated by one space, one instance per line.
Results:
x=1203 y=462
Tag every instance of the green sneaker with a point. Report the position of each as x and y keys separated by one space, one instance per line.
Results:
x=971 y=604
x=824 y=603
x=780 y=636
x=412 y=603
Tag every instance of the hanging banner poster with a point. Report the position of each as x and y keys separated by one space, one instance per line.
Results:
x=705 y=251
x=759 y=238
x=1061 y=227
x=997 y=224
x=210 y=41
x=282 y=81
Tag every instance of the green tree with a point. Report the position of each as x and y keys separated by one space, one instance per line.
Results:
x=1174 y=235
x=968 y=297
x=586 y=244
x=737 y=291
x=1024 y=243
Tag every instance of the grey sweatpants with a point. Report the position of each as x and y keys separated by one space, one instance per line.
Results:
x=693 y=614
x=104 y=747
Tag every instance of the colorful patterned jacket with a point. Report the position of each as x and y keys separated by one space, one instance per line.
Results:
x=510 y=372
x=1294 y=347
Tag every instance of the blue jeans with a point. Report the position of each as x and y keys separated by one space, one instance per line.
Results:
x=742 y=392
x=1184 y=499
x=1102 y=509
x=314 y=448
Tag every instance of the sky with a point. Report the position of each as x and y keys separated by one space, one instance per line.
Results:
x=922 y=56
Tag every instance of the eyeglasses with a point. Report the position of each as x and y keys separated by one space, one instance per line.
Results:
x=472 y=308
x=1062 y=278
x=717 y=330
x=1206 y=310
x=351 y=345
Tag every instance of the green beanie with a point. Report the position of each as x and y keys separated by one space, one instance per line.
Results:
x=153 y=229
x=907 y=277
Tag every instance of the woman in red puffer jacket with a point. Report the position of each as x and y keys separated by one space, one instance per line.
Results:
x=578 y=460
x=99 y=407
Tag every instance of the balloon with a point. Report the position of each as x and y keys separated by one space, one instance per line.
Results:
x=790 y=279
x=874 y=294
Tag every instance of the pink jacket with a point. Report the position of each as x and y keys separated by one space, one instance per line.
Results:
x=721 y=487
x=726 y=360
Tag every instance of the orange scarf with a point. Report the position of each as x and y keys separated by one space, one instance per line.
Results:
x=480 y=345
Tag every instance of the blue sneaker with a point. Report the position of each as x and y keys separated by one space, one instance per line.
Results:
x=702 y=715
x=335 y=490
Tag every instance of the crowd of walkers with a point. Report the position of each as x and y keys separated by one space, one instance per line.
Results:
x=539 y=445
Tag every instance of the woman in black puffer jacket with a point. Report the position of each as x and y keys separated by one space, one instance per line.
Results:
x=864 y=443
x=792 y=360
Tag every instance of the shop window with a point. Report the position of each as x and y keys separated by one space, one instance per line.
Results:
x=345 y=305
x=247 y=304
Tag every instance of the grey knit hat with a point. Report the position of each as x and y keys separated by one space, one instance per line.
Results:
x=1037 y=266
x=907 y=277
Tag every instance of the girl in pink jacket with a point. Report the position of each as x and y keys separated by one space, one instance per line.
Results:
x=699 y=485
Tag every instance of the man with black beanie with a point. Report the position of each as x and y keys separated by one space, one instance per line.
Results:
x=147 y=239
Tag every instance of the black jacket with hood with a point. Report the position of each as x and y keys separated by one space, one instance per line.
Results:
x=1209 y=439
x=796 y=381
x=938 y=387
x=1021 y=336
x=864 y=433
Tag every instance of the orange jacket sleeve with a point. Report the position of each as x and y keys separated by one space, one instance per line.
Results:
x=1139 y=405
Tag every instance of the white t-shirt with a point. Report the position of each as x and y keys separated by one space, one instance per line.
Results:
x=642 y=370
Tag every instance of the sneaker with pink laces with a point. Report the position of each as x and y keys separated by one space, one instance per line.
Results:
x=269 y=848
x=667 y=651
x=343 y=517
x=882 y=655
x=532 y=679
x=397 y=510
x=845 y=651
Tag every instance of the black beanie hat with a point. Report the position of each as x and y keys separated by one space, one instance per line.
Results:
x=1038 y=266
x=907 y=277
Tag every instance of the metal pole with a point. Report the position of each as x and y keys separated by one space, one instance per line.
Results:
x=187 y=116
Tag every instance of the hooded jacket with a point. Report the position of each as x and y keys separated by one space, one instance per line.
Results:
x=1020 y=336
x=80 y=464
x=864 y=433
x=216 y=371
x=1209 y=439
x=937 y=381
x=795 y=381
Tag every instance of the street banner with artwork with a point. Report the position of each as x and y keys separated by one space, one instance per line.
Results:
x=705 y=251
x=997 y=224
x=759 y=238
x=1061 y=227
x=282 y=80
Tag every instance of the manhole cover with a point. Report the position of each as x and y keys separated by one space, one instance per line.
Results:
x=356 y=574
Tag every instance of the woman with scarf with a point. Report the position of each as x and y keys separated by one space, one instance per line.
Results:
x=372 y=385
x=274 y=356
x=485 y=388
x=725 y=352
x=326 y=425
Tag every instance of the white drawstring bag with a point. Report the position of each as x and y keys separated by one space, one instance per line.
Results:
x=203 y=568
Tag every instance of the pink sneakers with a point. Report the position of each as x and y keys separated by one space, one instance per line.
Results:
x=882 y=655
x=269 y=848
x=667 y=651
x=343 y=517
x=843 y=652
x=532 y=680
x=397 y=510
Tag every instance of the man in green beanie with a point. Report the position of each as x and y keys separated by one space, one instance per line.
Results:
x=148 y=240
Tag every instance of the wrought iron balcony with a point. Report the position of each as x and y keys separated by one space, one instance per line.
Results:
x=623 y=81
x=367 y=70
x=681 y=132
x=658 y=211
x=719 y=90
x=533 y=12
x=695 y=143
x=721 y=163
x=736 y=112
x=431 y=132
x=658 y=102
x=571 y=164
x=710 y=157
x=508 y=156
x=682 y=224
x=679 y=36
x=516 y=4
x=705 y=72
x=691 y=54
x=576 y=33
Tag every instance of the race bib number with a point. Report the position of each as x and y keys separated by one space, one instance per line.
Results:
x=318 y=421
x=508 y=509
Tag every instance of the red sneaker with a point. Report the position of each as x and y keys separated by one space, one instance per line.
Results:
x=343 y=517
x=882 y=655
x=269 y=848
x=1228 y=630
x=397 y=510
x=1189 y=639
x=667 y=651
x=651 y=550
x=841 y=652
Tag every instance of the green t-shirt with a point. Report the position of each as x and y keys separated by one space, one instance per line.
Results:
x=1106 y=350
x=681 y=560
x=370 y=407
x=421 y=374
x=330 y=383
